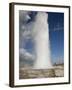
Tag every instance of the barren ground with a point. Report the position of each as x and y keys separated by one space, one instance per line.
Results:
x=57 y=71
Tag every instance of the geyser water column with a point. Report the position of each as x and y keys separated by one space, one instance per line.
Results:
x=42 y=43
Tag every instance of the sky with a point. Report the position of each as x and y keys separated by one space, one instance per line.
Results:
x=56 y=35
x=56 y=28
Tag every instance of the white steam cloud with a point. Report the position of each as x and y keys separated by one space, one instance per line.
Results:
x=38 y=31
x=24 y=35
x=25 y=28
x=25 y=55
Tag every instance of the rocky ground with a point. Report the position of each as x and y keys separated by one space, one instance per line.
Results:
x=56 y=71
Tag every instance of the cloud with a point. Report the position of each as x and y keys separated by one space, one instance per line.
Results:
x=24 y=55
x=58 y=28
x=25 y=30
x=24 y=15
x=25 y=34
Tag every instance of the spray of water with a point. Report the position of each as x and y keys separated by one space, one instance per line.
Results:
x=42 y=43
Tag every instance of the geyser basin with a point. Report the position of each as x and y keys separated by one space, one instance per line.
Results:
x=42 y=43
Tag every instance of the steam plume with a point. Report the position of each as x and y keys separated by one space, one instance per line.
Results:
x=42 y=43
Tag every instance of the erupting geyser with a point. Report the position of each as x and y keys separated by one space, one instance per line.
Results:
x=42 y=43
